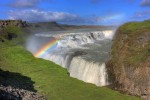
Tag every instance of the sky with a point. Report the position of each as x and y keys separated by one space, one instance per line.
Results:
x=78 y=12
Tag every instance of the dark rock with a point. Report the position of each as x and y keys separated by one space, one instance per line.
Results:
x=79 y=53
x=92 y=35
x=10 y=93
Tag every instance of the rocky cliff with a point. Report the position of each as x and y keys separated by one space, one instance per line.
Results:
x=129 y=66
x=19 y=23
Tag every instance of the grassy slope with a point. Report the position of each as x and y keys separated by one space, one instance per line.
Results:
x=50 y=79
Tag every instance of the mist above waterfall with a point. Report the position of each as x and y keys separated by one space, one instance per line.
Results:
x=83 y=54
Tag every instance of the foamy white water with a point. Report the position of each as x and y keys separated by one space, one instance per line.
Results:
x=83 y=54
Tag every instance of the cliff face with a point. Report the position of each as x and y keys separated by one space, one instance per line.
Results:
x=129 y=67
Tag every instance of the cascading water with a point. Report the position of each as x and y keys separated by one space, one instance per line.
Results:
x=92 y=72
x=83 y=54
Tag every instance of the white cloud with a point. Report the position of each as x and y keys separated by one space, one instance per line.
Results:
x=23 y=3
x=141 y=15
x=35 y=15
x=110 y=19
x=145 y=3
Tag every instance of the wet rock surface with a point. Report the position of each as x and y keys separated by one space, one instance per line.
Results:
x=79 y=53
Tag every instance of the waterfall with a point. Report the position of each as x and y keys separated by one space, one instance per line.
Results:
x=82 y=54
x=91 y=72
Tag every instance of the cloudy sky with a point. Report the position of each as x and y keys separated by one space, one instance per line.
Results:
x=87 y=12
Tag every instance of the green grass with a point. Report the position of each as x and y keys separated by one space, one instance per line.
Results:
x=134 y=28
x=50 y=79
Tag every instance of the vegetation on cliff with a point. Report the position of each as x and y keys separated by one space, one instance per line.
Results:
x=10 y=32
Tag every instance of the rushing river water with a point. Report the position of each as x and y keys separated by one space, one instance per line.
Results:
x=82 y=53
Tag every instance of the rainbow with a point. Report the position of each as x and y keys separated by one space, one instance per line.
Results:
x=48 y=46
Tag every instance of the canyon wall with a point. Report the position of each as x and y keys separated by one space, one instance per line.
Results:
x=129 y=65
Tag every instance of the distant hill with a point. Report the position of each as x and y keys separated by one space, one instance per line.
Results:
x=54 y=26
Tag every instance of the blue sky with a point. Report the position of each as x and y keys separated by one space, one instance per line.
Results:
x=87 y=12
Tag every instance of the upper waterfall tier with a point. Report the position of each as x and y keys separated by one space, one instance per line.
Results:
x=74 y=40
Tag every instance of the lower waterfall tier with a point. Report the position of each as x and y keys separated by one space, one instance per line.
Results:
x=87 y=71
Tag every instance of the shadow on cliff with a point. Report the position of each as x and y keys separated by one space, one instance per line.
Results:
x=16 y=80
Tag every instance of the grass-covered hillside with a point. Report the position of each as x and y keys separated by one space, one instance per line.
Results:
x=130 y=58
x=34 y=74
